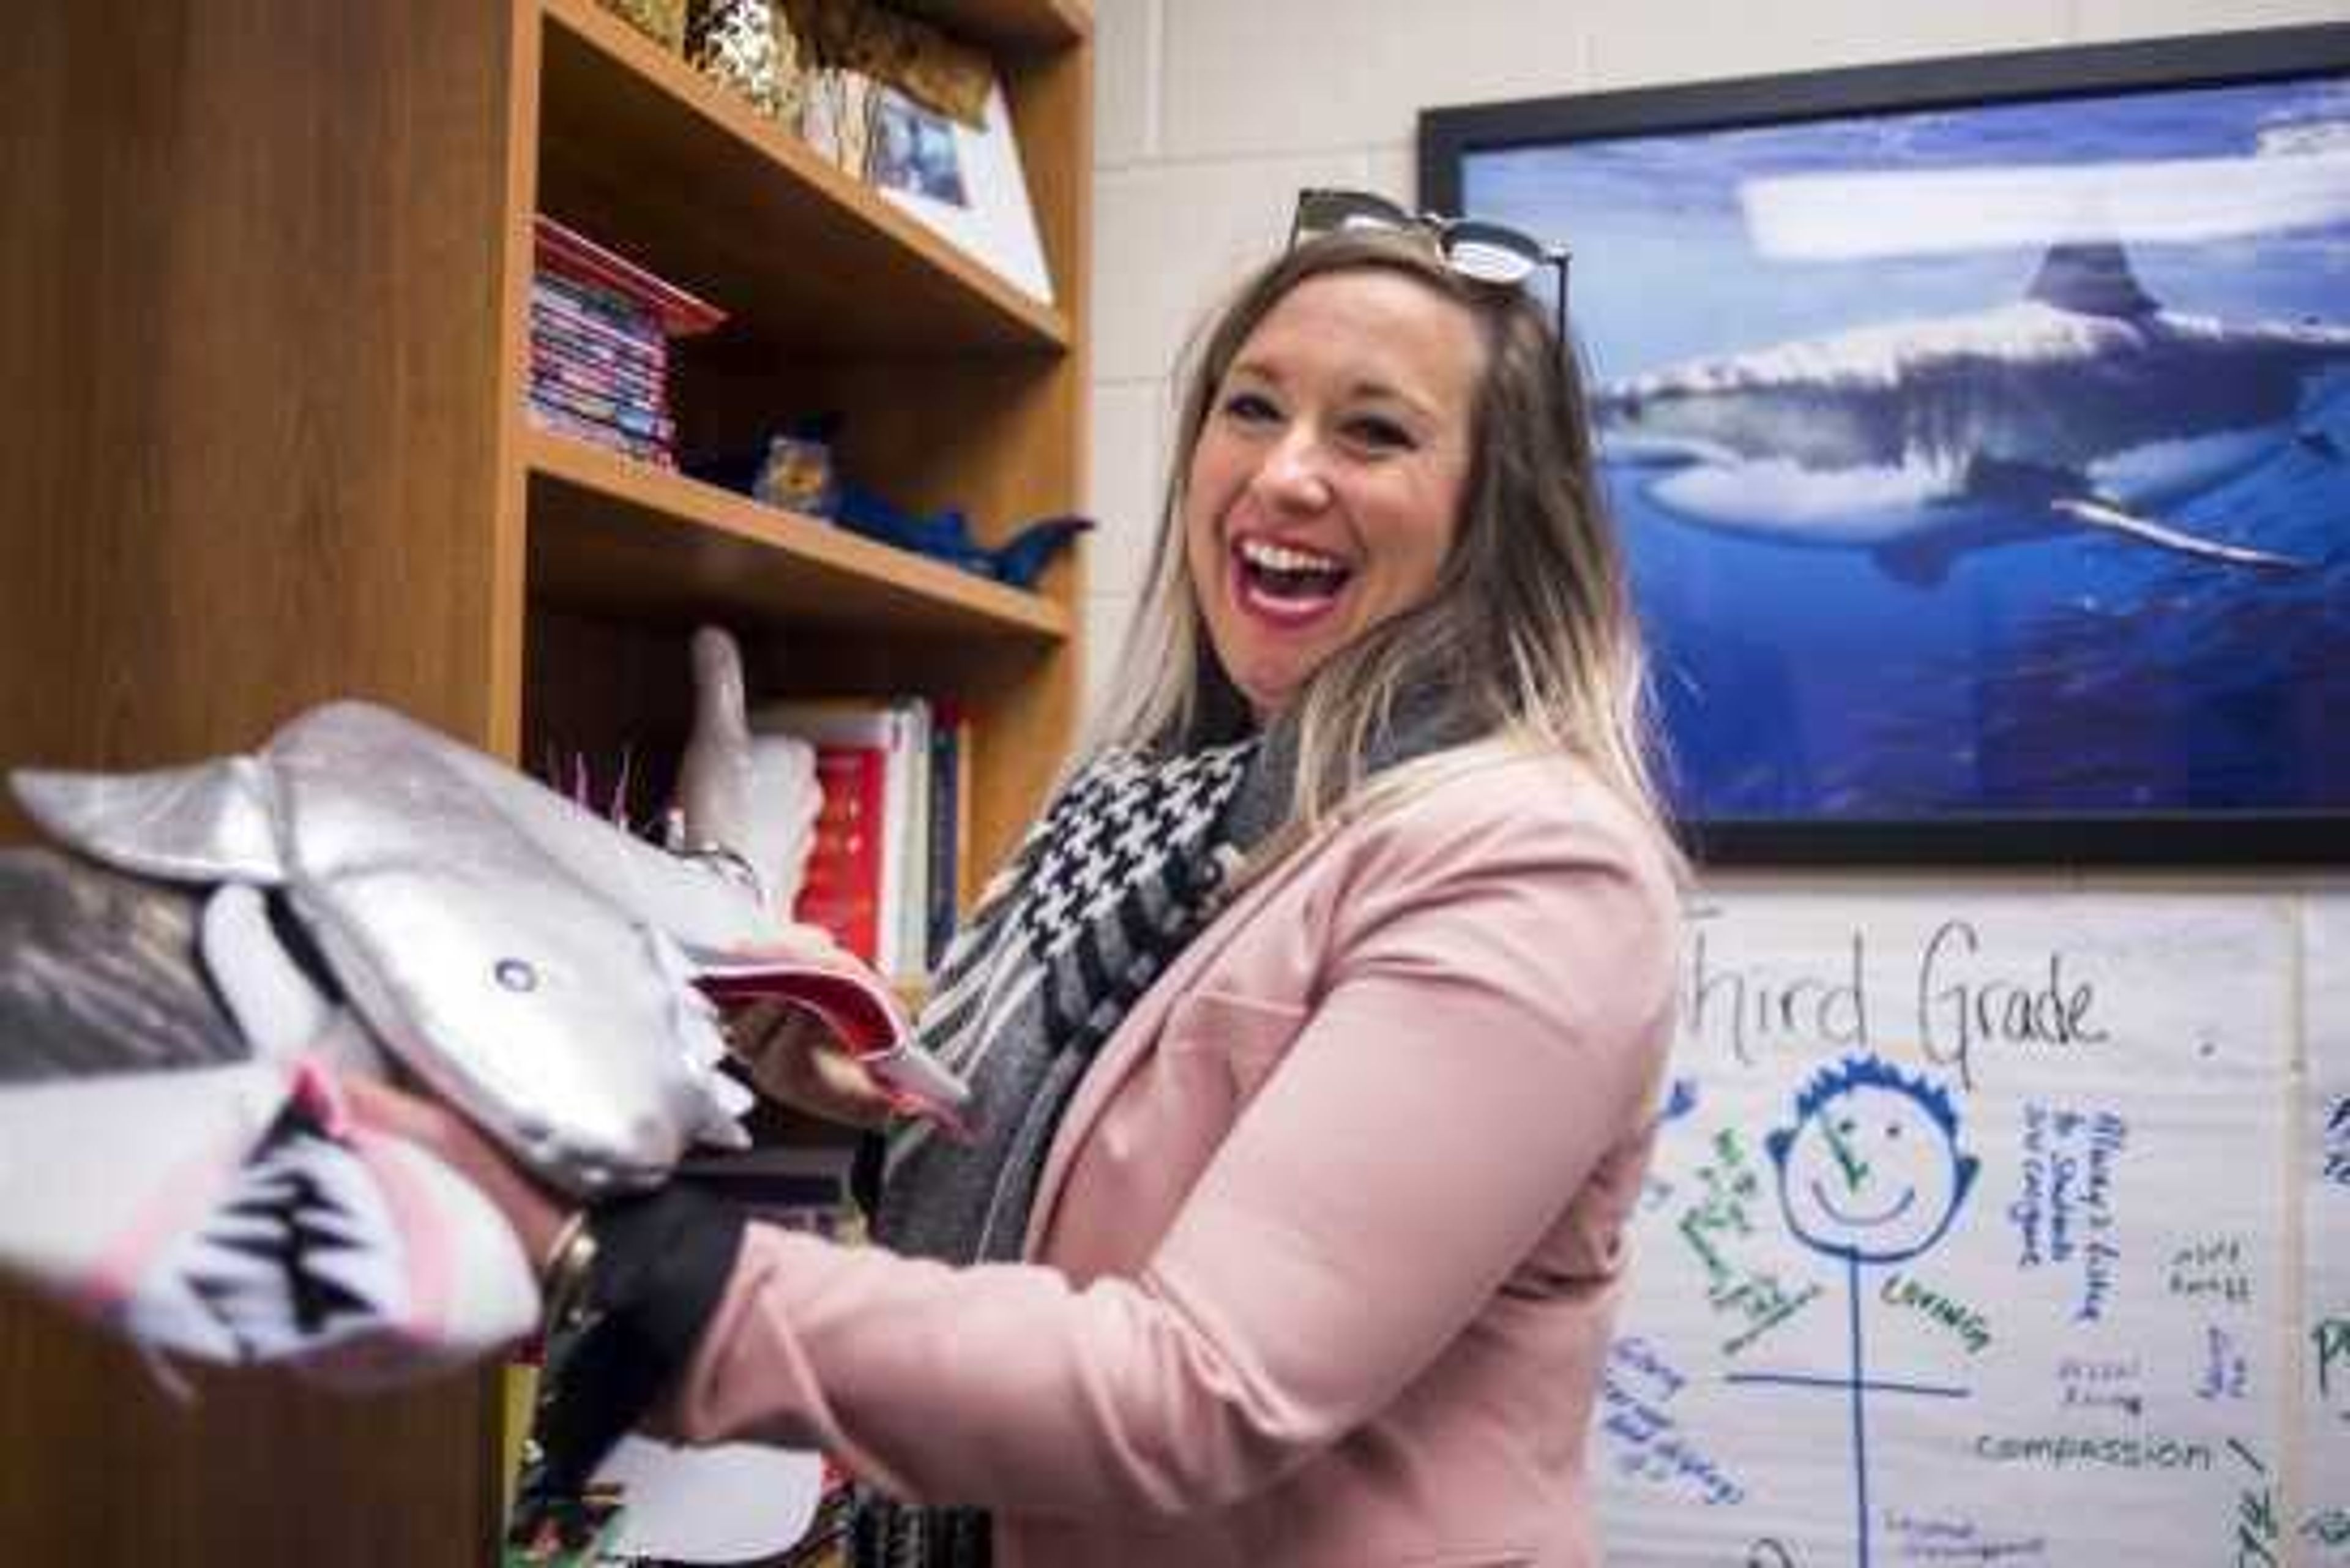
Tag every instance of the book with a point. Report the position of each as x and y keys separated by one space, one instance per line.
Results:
x=574 y=259
x=841 y=890
x=565 y=423
x=911 y=752
x=857 y=1006
x=896 y=731
x=554 y=351
x=598 y=318
x=617 y=412
x=950 y=807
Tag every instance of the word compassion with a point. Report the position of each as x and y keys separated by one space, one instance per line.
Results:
x=1957 y=1000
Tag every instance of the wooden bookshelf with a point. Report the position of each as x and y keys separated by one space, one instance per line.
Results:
x=608 y=535
x=266 y=295
x=635 y=141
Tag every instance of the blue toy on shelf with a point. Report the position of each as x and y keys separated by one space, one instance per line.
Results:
x=944 y=536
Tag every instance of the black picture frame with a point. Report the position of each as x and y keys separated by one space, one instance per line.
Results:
x=2241 y=814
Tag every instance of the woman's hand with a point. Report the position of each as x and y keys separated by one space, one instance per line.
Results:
x=535 y=1214
x=793 y=1057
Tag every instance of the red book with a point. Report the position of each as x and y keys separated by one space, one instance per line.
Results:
x=841 y=891
x=573 y=256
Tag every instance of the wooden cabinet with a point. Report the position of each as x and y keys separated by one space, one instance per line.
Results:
x=262 y=292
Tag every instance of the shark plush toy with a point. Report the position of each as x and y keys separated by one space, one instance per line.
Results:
x=186 y=987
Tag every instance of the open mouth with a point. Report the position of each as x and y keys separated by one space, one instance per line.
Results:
x=1864 y=1221
x=1288 y=581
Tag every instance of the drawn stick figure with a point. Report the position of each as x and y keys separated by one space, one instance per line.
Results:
x=1870 y=1172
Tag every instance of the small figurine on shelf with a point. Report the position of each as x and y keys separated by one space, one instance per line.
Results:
x=797 y=472
x=797 y=476
x=946 y=535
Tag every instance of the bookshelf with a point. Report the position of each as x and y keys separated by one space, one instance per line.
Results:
x=264 y=305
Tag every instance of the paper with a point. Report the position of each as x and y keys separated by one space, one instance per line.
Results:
x=2322 y=1522
x=1966 y=1239
x=732 y=1504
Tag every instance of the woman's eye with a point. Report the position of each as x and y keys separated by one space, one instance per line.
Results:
x=1250 y=408
x=1380 y=434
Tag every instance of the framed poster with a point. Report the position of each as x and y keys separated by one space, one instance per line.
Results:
x=1980 y=432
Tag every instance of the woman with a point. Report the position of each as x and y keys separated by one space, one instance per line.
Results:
x=1315 y=1031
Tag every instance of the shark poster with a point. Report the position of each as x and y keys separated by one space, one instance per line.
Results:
x=1980 y=436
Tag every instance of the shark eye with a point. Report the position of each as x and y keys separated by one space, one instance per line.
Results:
x=516 y=974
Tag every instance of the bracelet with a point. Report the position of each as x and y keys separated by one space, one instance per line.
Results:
x=569 y=1262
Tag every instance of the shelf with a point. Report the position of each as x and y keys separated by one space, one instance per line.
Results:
x=1010 y=23
x=611 y=535
x=641 y=152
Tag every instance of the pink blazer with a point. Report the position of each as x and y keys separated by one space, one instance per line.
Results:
x=1326 y=1250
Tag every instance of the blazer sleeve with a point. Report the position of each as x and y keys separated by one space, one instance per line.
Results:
x=1491 y=1028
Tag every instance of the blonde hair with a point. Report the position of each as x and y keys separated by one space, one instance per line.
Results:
x=1529 y=627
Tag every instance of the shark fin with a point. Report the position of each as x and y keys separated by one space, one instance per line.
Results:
x=2090 y=277
x=2102 y=515
x=209 y=822
x=1921 y=562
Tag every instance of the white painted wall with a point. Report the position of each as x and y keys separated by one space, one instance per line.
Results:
x=1210 y=114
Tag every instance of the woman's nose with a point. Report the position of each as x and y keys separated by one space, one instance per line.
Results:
x=1293 y=474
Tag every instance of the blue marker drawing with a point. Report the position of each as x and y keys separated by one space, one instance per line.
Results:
x=1870 y=1172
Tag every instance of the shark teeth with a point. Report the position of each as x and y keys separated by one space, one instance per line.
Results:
x=1282 y=558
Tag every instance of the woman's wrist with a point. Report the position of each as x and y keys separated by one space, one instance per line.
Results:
x=565 y=1269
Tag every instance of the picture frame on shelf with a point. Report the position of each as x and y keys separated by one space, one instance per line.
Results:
x=967 y=184
x=1977 y=431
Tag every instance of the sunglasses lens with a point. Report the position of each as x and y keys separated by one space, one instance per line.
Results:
x=1491 y=254
x=1487 y=253
x=1323 y=212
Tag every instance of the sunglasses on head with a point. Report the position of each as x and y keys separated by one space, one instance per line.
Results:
x=1475 y=249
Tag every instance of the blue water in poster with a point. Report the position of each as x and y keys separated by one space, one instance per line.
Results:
x=2000 y=523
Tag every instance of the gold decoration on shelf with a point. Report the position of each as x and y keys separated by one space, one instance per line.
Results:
x=913 y=56
x=663 y=21
x=749 y=46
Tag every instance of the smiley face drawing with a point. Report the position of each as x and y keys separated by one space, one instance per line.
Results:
x=1870 y=1171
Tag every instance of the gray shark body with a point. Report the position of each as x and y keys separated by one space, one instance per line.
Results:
x=2085 y=405
x=524 y=958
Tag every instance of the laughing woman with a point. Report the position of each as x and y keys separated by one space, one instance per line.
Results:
x=1315 y=1031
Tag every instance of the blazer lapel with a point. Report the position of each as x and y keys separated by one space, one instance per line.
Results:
x=1139 y=1031
x=1124 y=1049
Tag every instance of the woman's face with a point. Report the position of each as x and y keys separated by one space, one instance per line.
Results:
x=1327 y=481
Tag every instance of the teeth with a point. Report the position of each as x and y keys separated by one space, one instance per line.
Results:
x=1280 y=558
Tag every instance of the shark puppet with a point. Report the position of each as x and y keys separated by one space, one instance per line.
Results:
x=2084 y=405
x=184 y=989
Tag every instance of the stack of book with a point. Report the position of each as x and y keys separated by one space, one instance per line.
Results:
x=883 y=867
x=600 y=330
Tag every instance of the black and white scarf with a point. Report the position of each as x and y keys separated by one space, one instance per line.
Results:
x=1133 y=859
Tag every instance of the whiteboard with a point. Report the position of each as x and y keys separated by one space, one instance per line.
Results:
x=1975 y=1235
x=2321 y=1527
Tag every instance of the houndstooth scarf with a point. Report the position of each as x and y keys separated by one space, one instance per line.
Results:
x=1130 y=861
